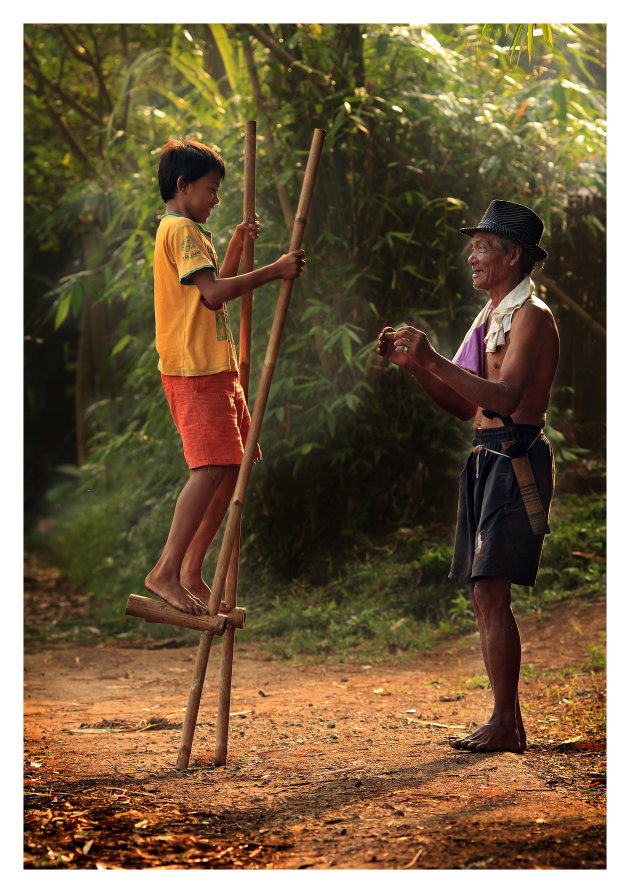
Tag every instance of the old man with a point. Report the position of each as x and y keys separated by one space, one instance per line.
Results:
x=500 y=378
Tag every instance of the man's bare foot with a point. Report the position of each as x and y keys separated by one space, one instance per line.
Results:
x=491 y=737
x=201 y=591
x=520 y=728
x=174 y=594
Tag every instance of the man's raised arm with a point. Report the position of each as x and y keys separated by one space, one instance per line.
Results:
x=504 y=395
x=441 y=394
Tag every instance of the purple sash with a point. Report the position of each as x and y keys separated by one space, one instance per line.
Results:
x=472 y=353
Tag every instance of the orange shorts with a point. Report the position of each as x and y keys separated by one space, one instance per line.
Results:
x=211 y=416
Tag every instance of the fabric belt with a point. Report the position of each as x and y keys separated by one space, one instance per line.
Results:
x=516 y=451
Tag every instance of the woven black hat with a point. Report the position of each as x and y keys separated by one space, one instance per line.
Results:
x=512 y=221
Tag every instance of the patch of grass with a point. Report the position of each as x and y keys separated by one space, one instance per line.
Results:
x=478 y=682
x=397 y=599
x=597 y=662
x=388 y=601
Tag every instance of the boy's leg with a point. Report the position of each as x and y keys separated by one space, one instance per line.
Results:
x=191 y=507
x=192 y=565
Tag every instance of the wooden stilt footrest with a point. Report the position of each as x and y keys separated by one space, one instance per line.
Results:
x=154 y=611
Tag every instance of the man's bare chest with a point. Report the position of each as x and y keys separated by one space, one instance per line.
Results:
x=494 y=361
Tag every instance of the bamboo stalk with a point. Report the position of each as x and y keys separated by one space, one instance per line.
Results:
x=572 y=304
x=293 y=64
x=249 y=216
x=227 y=650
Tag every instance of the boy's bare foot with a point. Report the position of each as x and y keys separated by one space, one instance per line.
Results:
x=201 y=591
x=490 y=737
x=174 y=594
x=198 y=587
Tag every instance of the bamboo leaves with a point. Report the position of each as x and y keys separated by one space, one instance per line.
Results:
x=69 y=302
x=523 y=35
x=424 y=122
x=226 y=48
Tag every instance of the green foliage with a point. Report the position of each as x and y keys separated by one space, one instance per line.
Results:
x=107 y=538
x=423 y=124
x=397 y=599
x=524 y=34
x=597 y=659
x=574 y=557
x=387 y=601
x=391 y=598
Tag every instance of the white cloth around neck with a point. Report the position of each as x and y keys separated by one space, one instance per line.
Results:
x=500 y=319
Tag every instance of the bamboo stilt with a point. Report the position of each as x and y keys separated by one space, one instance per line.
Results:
x=245 y=339
x=232 y=529
x=203 y=651
x=194 y=699
x=154 y=611
x=247 y=261
x=225 y=694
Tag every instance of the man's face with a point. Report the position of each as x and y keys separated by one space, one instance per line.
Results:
x=491 y=266
x=201 y=196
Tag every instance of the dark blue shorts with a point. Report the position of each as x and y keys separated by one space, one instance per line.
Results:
x=493 y=536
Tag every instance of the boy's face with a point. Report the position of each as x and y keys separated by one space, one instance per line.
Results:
x=200 y=196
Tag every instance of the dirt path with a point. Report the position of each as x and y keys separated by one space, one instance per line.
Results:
x=329 y=766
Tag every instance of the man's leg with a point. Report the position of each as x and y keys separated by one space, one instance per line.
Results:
x=501 y=650
x=484 y=651
x=190 y=510
x=192 y=565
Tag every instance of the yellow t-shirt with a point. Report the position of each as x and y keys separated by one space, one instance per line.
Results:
x=190 y=339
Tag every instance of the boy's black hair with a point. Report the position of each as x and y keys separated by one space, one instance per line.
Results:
x=187 y=159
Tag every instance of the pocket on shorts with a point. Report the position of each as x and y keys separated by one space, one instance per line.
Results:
x=504 y=479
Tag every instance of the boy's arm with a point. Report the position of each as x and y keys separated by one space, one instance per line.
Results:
x=232 y=259
x=217 y=291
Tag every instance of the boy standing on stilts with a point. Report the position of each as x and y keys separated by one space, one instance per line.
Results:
x=197 y=360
